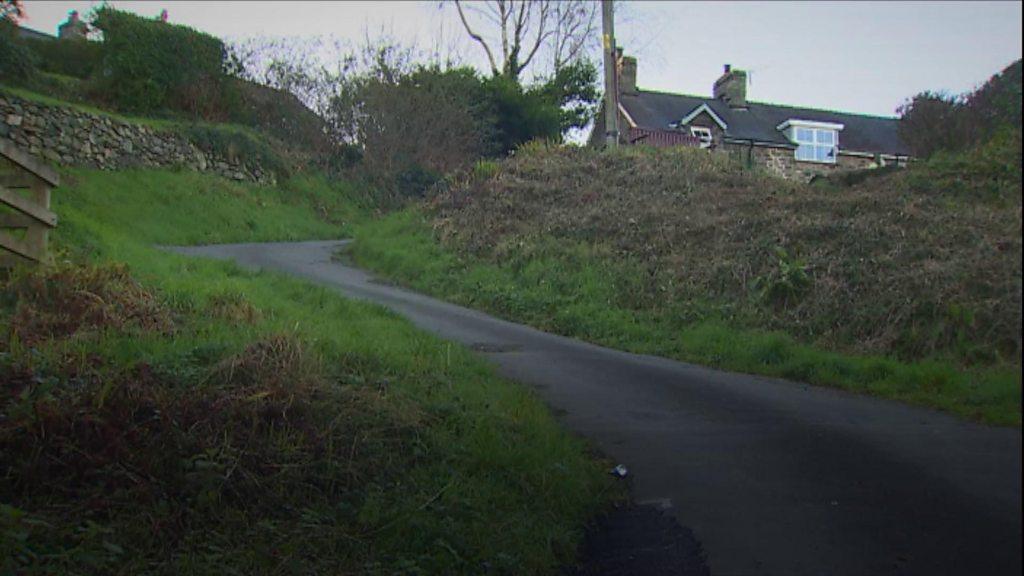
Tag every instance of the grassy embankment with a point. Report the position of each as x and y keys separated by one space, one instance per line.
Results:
x=167 y=415
x=904 y=285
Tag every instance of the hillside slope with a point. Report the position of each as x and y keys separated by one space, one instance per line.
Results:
x=682 y=254
x=882 y=266
x=167 y=415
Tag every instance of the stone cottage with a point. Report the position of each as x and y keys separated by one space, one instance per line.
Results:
x=796 y=143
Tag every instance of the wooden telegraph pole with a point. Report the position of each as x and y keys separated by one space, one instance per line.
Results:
x=611 y=85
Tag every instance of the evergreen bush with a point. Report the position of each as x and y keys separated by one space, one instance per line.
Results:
x=149 y=65
x=16 y=61
x=77 y=58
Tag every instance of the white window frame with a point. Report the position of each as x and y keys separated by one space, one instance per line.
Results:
x=816 y=142
x=703 y=108
x=816 y=145
x=704 y=133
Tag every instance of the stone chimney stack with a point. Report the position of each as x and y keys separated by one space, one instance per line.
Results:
x=627 y=74
x=731 y=88
x=74 y=28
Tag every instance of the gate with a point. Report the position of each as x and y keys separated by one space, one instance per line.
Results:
x=25 y=216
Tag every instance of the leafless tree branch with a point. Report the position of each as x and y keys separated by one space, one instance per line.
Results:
x=477 y=37
x=561 y=29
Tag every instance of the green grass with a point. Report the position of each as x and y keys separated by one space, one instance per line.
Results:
x=372 y=448
x=576 y=290
x=164 y=207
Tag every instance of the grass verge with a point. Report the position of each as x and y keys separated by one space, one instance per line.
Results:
x=576 y=289
x=166 y=415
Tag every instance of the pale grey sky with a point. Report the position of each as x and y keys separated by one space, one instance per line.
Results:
x=854 y=56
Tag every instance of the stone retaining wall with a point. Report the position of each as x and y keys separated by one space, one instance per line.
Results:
x=70 y=137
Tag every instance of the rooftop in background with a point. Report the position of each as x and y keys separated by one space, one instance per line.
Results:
x=32 y=34
x=742 y=120
x=759 y=121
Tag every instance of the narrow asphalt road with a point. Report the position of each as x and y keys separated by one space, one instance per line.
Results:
x=773 y=477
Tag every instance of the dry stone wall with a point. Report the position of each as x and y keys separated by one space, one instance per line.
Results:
x=71 y=137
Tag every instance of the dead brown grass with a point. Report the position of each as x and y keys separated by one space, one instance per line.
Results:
x=62 y=301
x=263 y=434
x=273 y=374
x=201 y=445
x=882 y=266
x=233 y=308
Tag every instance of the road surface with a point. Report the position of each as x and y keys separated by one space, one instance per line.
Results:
x=773 y=477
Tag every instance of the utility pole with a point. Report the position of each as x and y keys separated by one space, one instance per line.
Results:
x=611 y=84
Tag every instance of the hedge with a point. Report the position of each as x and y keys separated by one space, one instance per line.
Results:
x=16 y=62
x=149 y=65
x=77 y=58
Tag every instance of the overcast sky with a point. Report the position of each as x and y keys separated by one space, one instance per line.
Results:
x=854 y=56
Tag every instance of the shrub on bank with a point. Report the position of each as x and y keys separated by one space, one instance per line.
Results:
x=16 y=61
x=917 y=263
x=238 y=147
x=149 y=65
x=78 y=58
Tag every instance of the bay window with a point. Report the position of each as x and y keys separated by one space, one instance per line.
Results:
x=815 y=141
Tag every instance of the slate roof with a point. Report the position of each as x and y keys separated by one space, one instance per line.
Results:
x=861 y=133
x=25 y=32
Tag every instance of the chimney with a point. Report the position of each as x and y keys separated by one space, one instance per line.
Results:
x=627 y=74
x=731 y=88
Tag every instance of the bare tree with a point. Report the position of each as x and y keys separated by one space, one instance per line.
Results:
x=575 y=31
x=523 y=29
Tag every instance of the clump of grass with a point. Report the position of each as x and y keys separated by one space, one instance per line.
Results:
x=278 y=366
x=233 y=308
x=60 y=302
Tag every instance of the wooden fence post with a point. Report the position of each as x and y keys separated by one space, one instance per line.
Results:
x=25 y=216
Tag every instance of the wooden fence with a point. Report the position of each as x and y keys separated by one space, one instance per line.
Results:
x=25 y=216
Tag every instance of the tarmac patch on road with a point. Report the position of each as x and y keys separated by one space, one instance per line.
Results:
x=640 y=540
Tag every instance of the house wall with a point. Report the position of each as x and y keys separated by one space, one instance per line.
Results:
x=783 y=162
x=706 y=121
